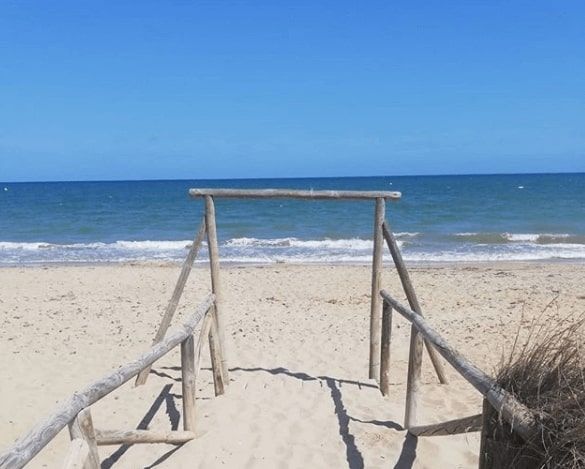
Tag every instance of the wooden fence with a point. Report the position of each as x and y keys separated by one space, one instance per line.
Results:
x=521 y=419
x=75 y=411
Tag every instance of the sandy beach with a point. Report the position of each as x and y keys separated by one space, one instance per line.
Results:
x=298 y=349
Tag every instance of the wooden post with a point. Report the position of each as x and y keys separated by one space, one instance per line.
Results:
x=188 y=382
x=385 y=350
x=78 y=454
x=376 y=283
x=414 y=375
x=179 y=287
x=411 y=296
x=216 y=358
x=212 y=245
x=82 y=427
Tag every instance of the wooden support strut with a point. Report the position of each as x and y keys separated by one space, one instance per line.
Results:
x=385 y=350
x=375 y=304
x=411 y=296
x=188 y=382
x=174 y=302
x=469 y=424
x=131 y=437
x=219 y=328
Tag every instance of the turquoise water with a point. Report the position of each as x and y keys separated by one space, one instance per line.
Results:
x=440 y=218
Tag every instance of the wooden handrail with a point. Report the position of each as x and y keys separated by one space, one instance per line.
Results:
x=29 y=445
x=520 y=417
x=292 y=194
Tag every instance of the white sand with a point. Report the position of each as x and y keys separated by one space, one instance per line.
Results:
x=299 y=395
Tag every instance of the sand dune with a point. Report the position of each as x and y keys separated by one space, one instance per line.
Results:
x=299 y=393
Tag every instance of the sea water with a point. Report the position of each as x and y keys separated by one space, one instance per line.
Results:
x=439 y=218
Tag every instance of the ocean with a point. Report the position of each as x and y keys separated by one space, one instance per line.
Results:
x=439 y=218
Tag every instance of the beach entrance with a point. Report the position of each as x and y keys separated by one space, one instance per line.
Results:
x=381 y=233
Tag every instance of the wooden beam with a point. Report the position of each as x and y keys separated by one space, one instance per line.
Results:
x=131 y=437
x=520 y=418
x=82 y=427
x=375 y=301
x=29 y=445
x=414 y=374
x=78 y=454
x=385 y=350
x=174 y=302
x=219 y=383
x=411 y=296
x=469 y=424
x=188 y=382
x=213 y=246
x=292 y=194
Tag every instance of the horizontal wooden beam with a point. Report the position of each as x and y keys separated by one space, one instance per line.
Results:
x=131 y=437
x=293 y=194
x=520 y=417
x=451 y=427
x=29 y=445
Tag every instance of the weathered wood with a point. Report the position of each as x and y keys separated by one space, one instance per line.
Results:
x=414 y=375
x=174 y=302
x=78 y=454
x=292 y=194
x=216 y=361
x=188 y=382
x=29 y=445
x=212 y=245
x=521 y=419
x=203 y=338
x=411 y=295
x=82 y=427
x=131 y=437
x=385 y=350
x=469 y=424
x=375 y=300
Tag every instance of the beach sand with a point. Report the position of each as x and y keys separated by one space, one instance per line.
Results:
x=298 y=349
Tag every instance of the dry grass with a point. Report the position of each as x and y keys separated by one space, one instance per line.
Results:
x=547 y=374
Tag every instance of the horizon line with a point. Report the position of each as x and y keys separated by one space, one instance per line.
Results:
x=291 y=177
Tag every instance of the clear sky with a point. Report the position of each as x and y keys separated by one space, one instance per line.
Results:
x=187 y=89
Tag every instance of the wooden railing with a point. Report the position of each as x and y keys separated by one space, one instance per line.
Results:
x=75 y=411
x=520 y=418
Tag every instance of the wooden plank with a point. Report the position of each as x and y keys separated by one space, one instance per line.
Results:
x=212 y=244
x=413 y=380
x=385 y=350
x=411 y=295
x=82 y=427
x=29 y=445
x=521 y=419
x=188 y=382
x=216 y=361
x=375 y=300
x=177 y=293
x=77 y=455
x=469 y=424
x=131 y=437
x=292 y=194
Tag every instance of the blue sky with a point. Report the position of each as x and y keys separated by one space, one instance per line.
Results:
x=181 y=89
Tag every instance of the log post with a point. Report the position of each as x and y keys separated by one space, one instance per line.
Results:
x=212 y=245
x=179 y=287
x=216 y=358
x=78 y=454
x=188 y=382
x=82 y=427
x=385 y=349
x=376 y=283
x=411 y=296
x=414 y=375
